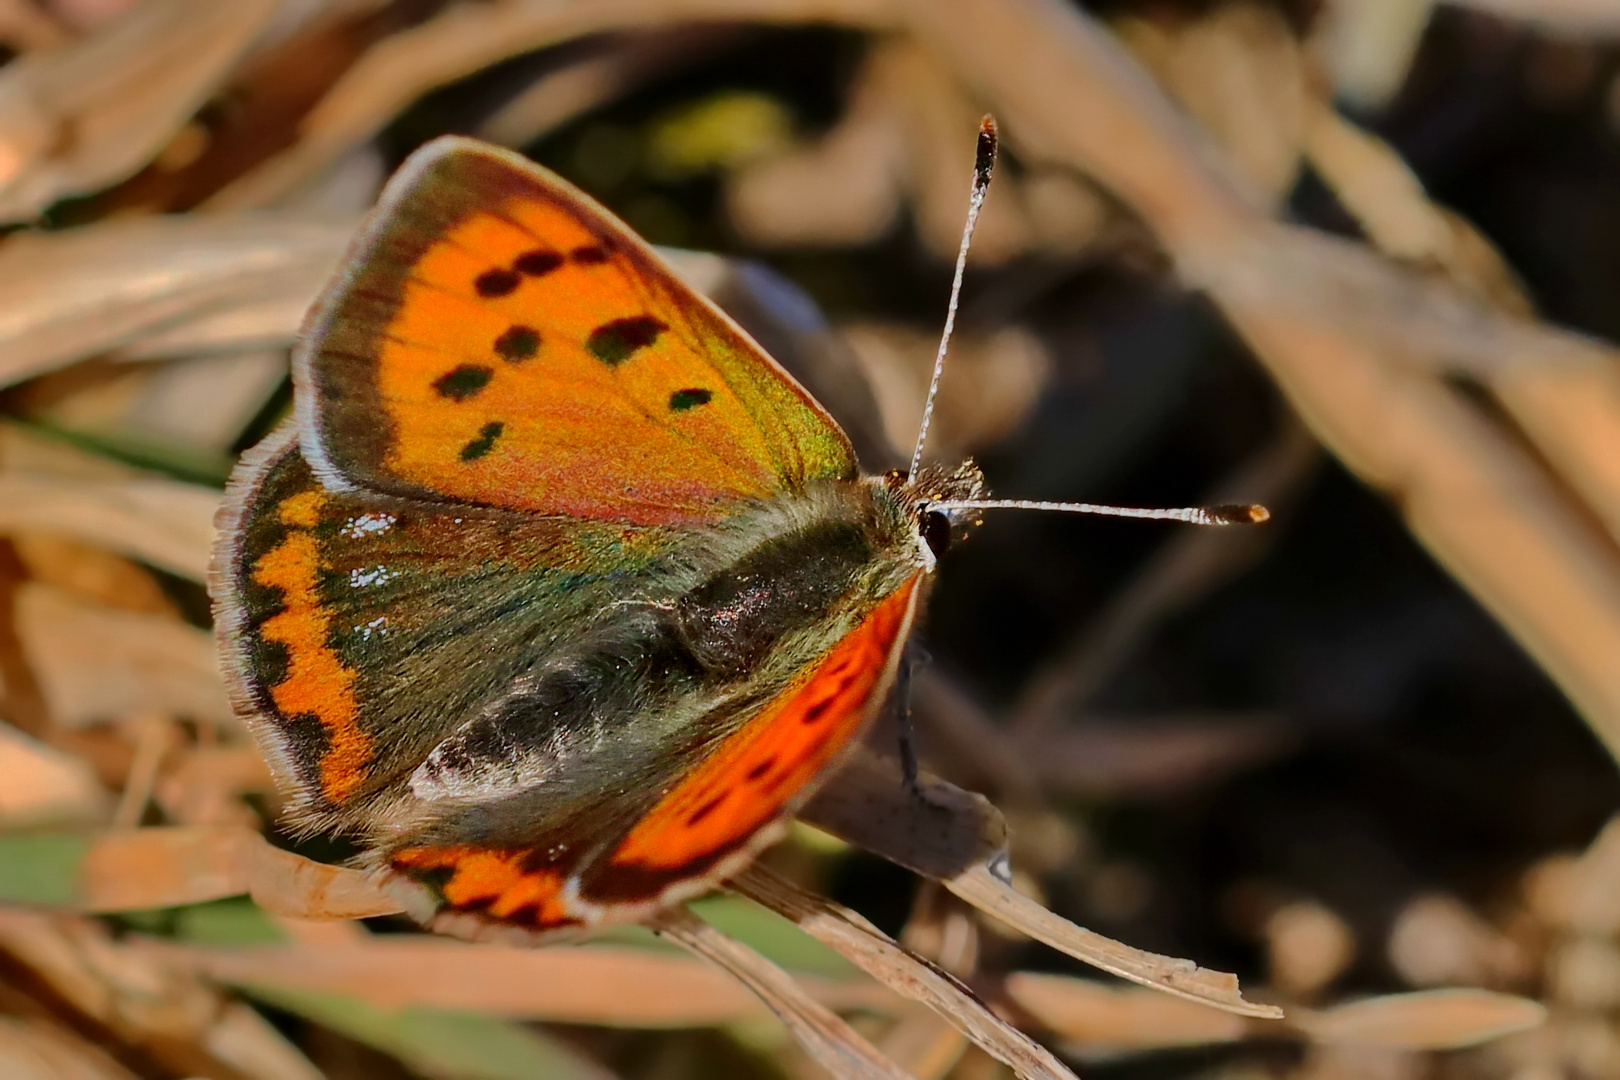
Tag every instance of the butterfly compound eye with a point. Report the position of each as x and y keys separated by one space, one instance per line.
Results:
x=936 y=531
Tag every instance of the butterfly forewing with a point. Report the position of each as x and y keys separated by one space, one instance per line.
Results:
x=501 y=340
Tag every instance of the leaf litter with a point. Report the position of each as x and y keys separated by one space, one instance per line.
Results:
x=144 y=349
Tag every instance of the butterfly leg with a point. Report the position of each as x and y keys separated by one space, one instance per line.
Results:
x=904 y=728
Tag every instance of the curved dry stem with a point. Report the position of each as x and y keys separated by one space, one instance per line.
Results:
x=1183 y=978
x=874 y=952
x=823 y=1035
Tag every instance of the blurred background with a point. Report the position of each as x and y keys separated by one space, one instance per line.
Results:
x=1356 y=259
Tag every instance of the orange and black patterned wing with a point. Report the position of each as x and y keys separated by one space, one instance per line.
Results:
x=697 y=818
x=359 y=632
x=500 y=339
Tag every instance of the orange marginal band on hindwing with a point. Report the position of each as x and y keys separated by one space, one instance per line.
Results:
x=315 y=683
x=500 y=339
x=764 y=769
x=500 y=885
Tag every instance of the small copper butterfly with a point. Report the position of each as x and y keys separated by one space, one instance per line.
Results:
x=557 y=591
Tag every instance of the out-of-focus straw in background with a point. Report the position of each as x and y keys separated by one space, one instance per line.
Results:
x=1363 y=756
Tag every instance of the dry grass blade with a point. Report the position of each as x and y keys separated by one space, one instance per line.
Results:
x=1183 y=978
x=166 y=867
x=867 y=804
x=45 y=786
x=166 y=523
x=144 y=1011
x=72 y=294
x=41 y=1051
x=861 y=943
x=1119 y=1017
x=467 y=38
x=1426 y=1020
x=622 y=66
x=1469 y=492
x=92 y=112
x=1570 y=411
x=826 y=1038
x=94 y=663
x=606 y=985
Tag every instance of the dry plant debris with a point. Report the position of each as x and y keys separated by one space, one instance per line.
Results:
x=179 y=177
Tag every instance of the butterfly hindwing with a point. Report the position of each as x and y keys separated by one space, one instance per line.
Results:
x=674 y=831
x=763 y=770
x=361 y=631
x=501 y=340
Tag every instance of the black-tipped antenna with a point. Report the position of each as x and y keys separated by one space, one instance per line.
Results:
x=984 y=161
x=1229 y=514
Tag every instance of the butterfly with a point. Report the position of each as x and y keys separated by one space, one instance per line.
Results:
x=556 y=591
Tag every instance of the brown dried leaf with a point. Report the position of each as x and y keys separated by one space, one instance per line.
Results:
x=594 y=984
x=787 y=199
x=465 y=38
x=40 y=1051
x=89 y=572
x=1119 y=1017
x=826 y=1038
x=1240 y=72
x=867 y=803
x=203 y=786
x=95 y=663
x=269 y=320
x=130 y=996
x=78 y=292
x=1591 y=906
x=166 y=523
x=165 y=867
x=41 y=785
x=93 y=111
x=1438 y=940
x=195 y=407
x=1367 y=46
x=923 y=1045
x=861 y=943
x=1183 y=978
x=1426 y=1020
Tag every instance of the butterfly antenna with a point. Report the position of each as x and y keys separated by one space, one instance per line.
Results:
x=1228 y=514
x=984 y=161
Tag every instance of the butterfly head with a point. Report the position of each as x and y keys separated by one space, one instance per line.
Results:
x=938 y=527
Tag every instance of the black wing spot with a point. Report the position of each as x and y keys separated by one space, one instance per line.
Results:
x=492 y=283
x=707 y=808
x=537 y=263
x=762 y=768
x=461 y=383
x=681 y=400
x=484 y=443
x=815 y=712
x=518 y=343
x=615 y=342
x=589 y=255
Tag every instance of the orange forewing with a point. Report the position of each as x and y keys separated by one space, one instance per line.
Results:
x=765 y=768
x=505 y=341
